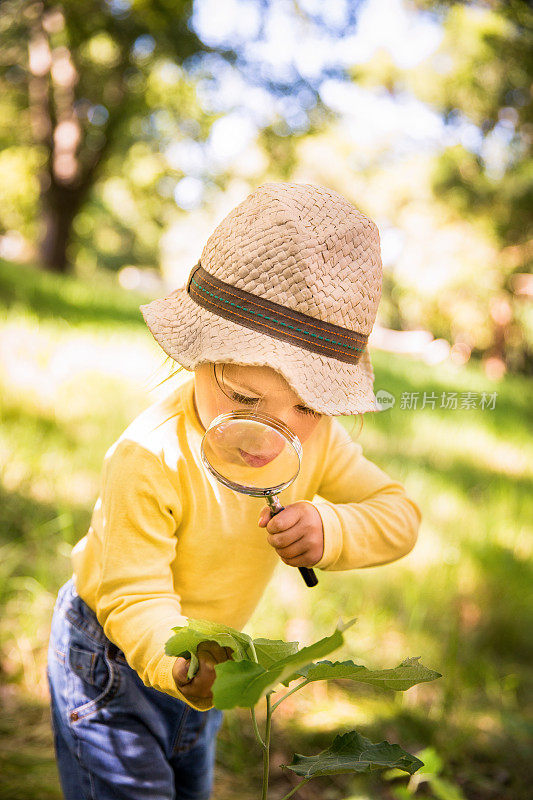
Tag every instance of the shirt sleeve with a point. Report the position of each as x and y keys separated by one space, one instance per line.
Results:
x=136 y=602
x=367 y=517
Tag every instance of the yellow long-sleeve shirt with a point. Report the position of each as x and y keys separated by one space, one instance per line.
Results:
x=167 y=541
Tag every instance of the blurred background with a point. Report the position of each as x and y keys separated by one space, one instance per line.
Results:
x=128 y=129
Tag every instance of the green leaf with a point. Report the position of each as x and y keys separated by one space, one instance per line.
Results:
x=188 y=637
x=444 y=790
x=433 y=763
x=237 y=685
x=402 y=677
x=269 y=651
x=352 y=752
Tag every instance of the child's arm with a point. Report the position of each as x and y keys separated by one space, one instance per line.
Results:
x=367 y=517
x=136 y=601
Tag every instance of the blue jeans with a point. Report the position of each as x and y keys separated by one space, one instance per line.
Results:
x=114 y=737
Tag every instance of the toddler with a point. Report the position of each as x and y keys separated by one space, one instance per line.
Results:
x=274 y=317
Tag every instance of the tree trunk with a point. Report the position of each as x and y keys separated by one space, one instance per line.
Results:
x=59 y=204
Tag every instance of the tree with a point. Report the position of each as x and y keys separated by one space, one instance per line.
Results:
x=84 y=82
x=77 y=73
x=488 y=82
x=481 y=76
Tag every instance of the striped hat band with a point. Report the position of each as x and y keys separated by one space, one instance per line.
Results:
x=274 y=320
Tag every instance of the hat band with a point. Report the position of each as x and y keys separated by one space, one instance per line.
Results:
x=274 y=320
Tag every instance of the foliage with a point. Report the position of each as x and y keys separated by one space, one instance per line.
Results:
x=481 y=72
x=84 y=98
x=102 y=119
x=243 y=680
x=486 y=81
x=429 y=774
x=478 y=80
x=352 y=752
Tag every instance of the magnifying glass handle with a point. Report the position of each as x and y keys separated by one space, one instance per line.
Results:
x=307 y=574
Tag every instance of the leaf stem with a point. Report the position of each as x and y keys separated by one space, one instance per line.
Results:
x=298 y=786
x=266 y=752
x=256 y=729
x=254 y=654
x=294 y=689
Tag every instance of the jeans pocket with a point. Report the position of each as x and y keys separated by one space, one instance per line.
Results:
x=89 y=665
x=94 y=679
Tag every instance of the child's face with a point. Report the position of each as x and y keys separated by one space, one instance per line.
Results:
x=251 y=388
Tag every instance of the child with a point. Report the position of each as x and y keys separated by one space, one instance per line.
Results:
x=276 y=316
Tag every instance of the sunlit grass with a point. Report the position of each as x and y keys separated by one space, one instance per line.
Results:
x=77 y=364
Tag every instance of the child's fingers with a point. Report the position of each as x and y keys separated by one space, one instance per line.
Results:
x=305 y=559
x=264 y=517
x=200 y=685
x=180 y=670
x=284 y=520
x=209 y=653
x=202 y=682
x=293 y=550
x=286 y=538
x=214 y=649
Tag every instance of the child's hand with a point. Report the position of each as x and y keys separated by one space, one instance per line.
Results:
x=199 y=687
x=296 y=533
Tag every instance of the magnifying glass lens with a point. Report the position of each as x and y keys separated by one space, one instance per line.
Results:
x=255 y=454
x=251 y=452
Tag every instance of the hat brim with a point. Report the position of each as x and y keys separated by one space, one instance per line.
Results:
x=192 y=335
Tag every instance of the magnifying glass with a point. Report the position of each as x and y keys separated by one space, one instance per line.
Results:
x=254 y=454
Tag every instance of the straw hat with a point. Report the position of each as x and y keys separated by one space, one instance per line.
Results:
x=290 y=279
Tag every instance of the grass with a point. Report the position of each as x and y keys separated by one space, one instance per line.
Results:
x=77 y=364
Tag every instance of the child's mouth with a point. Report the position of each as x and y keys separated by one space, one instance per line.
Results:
x=255 y=460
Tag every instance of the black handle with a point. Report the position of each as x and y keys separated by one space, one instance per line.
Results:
x=307 y=574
